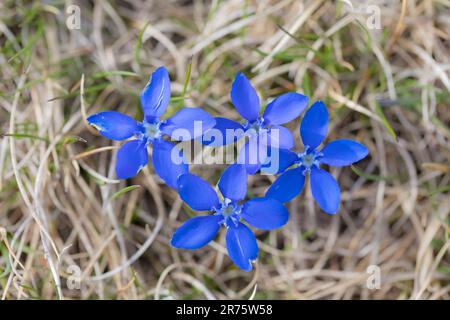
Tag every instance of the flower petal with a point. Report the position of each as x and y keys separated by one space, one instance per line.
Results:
x=285 y=108
x=156 y=95
x=233 y=182
x=244 y=98
x=265 y=213
x=278 y=161
x=113 y=125
x=188 y=124
x=197 y=193
x=280 y=137
x=168 y=162
x=131 y=158
x=196 y=232
x=242 y=246
x=252 y=155
x=287 y=186
x=314 y=126
x=224 y=132
x=340 y=153
x=325 y=190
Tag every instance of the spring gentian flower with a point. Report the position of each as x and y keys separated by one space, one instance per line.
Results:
x=258 y=129
x=133 y=155
x=261 y=213
x=338 y=153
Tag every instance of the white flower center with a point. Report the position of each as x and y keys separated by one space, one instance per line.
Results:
x=152 y=130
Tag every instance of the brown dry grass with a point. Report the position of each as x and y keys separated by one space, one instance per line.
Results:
x=56 y=205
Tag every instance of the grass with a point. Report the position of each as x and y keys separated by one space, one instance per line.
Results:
x=61 y=206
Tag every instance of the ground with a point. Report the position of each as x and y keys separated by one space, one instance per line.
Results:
x=70 y=230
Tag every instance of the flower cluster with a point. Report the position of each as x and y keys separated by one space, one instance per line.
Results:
x=267 y=141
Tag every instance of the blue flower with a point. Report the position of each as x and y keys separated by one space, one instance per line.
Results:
x=261 y=213
x=338 y=153
x=133 y=155
x=258 y=129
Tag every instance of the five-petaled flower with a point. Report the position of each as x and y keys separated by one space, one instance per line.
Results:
x=133 y=155
x=261 y=131
x=338 y=153
x=262 y=213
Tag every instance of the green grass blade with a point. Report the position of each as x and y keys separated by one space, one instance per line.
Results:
x=371 y=177
x=385 y=122
x=121 y=192
x=24 y=135
x=139 y=45
x=187 y=78
x=105 y=74
x=443 y=189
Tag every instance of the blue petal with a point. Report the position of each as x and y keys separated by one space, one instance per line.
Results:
x=265 y=213
x=233 y=182
x=285 y=108
x=113 y=125
x=197 y=193
x=244 y=98
x=131 y=158
x=196 y=232
x=168 y=162
x=188 y=124
x=252 y=155
x=280 y=137
x=156 y=95
x=325 y=190
x=340 y=153
x=278 y=161
x=287 y=186
x=314 y=126
x=224 y=132
x=242 y=246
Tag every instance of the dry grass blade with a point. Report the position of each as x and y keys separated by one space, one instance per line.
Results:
x=70 y=229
